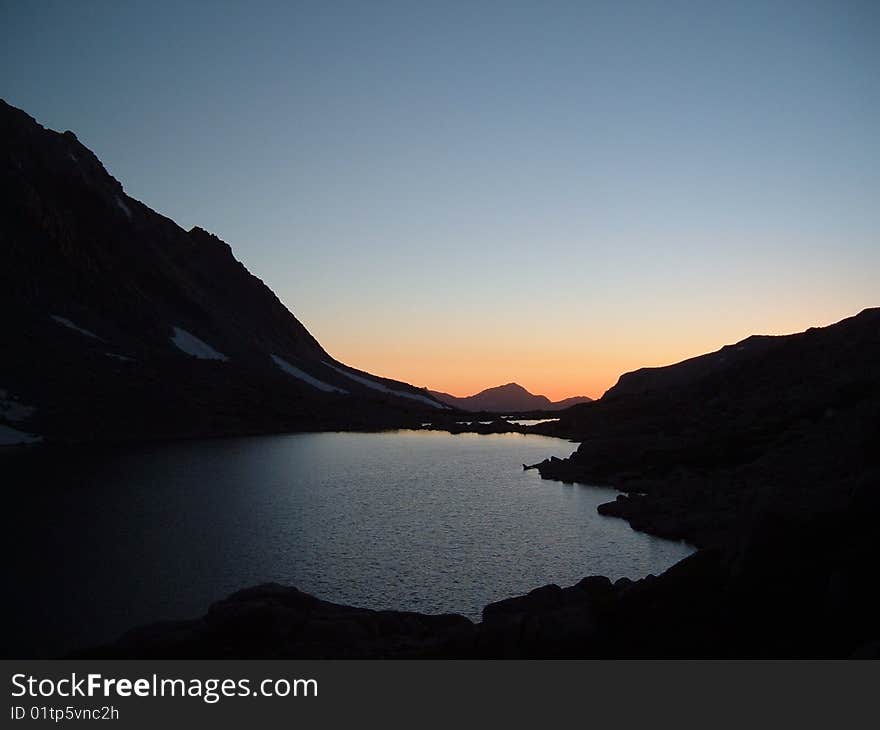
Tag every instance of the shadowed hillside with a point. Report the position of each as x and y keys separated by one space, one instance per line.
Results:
x=785 y=417
x=120 y=324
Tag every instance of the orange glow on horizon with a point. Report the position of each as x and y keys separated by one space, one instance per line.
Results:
x=550 y=365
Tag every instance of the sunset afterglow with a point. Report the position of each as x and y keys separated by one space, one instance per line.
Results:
x=460 y=198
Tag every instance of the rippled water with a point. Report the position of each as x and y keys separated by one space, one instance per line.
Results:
x=105 y=539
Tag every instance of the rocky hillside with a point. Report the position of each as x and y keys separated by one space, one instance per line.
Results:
x=120 y=324
x=786 y=418
x=510 y=398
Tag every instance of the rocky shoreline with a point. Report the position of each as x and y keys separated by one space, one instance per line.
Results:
x=708 y=605
x=766 y=456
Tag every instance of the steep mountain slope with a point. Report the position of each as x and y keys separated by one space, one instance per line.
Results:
x=510 y=398
x=120 y=324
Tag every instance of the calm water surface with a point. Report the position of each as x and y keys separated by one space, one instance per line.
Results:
x=106 y=539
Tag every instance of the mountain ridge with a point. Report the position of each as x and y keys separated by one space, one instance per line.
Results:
x=509 y=397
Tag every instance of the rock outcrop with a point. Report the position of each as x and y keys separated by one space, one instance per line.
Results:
x=701 y=446
x=273 y=621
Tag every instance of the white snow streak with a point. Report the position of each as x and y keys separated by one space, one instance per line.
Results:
x=13 y=437
x=384 y=389
x=192 y=345
x=305 y=377
x=67 y=323
x=123 y=207
x=11 y=409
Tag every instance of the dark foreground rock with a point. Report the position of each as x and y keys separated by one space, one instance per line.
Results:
x=273 y=621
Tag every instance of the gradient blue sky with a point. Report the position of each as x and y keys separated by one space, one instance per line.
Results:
x=464 y=194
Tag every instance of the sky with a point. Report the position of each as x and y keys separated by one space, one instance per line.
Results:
x=465 y=194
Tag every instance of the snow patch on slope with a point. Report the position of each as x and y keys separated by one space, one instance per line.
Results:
x=13 y=437
x=305 y=377
x=385 y=389
x=11 y=409
x=67 y=323
x=192 y=345
x=123 y=207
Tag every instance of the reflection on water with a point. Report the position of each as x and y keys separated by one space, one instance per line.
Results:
x=533 y=421
x=105 y=539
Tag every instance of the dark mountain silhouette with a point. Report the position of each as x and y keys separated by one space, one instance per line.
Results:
x=800 y=409
x=765 y=455
x=120 y=324
x=510 y=398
